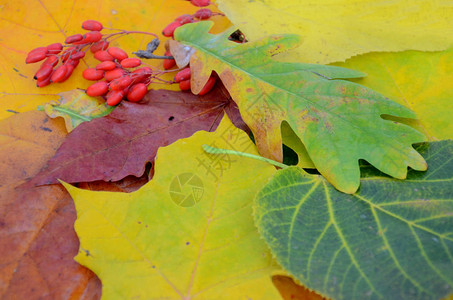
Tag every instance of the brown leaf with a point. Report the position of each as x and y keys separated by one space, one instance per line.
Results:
x=122 y=143
x=292 y=291
x=37 y=239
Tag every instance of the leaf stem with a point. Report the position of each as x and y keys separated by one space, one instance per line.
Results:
x=214 y=150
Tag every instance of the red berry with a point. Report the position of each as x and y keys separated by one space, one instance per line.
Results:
x=200 y=3
x=203 y=14
x=74 y=38
x=106 y=66
x=186 y=20
x=39 y=49
x=73 y=62
x=44 y=82
x=92 y=74
x=184 y=85
x=92 y=25
x=97 y=89
x=65 y=55
x=69 y=69
x=103 y=56
x=170 y=29
x=137 y=92
x=178 y=19
x=208 y=86
x=101 y=45
x=114 y=97
x=168 y=63
x=93 y=37
x=114 y=74
x=35 y=57
x=117 y=53
x=59 y=73
x=78 y=55
x=182 y=75
x=51 y=60
x=131 y=62
x=141 y=74
x=120 y=83
x=43 y=72
x=55 y=48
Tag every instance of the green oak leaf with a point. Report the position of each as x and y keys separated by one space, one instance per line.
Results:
x=391 y=240
x=338 y=121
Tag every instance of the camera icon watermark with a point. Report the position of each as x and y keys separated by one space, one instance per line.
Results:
x=186 y=189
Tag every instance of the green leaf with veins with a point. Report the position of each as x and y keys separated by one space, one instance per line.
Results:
x=76 y=107
x=391 y=240
x=338 y=121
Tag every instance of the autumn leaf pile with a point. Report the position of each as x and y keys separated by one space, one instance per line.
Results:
x=297 y=150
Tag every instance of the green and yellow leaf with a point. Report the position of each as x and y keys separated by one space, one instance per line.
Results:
x=76 y=107
x=338 y=122
x=188 y=233
x=390 y=240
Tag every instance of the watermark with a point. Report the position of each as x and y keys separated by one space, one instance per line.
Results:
x=186 y=189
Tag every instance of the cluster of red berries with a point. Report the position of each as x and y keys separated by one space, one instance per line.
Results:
x=115 y=65
x=69 y=58
x=122 y=77
x=199 y=15
x=120 y=81
x=183 y=76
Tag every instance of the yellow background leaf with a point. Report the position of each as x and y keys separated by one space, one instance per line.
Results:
x=25 y=25
x=334 y=30
x=188 y=233
x=422 y=81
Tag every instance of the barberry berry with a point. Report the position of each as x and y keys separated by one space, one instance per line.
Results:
x=131 y=62
x=203 y=14
x=167 y=62
x=51 y=60
x=200 y=3
x=103 y=55
x=114 y=97
x=117 y=53
x=114 y=74
x=182 y=75
x=120 y=83
x=55 y=48
x=137 y=92
x=208 y=86
x=44 y=72
x=170 y=29
x=74 y=38
x=106 y=66
x=59 y=74
x=99 y=46
x=184 y=85
x=97 y=89
x=92 y=25
x=93 y=74
x=44 y=82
